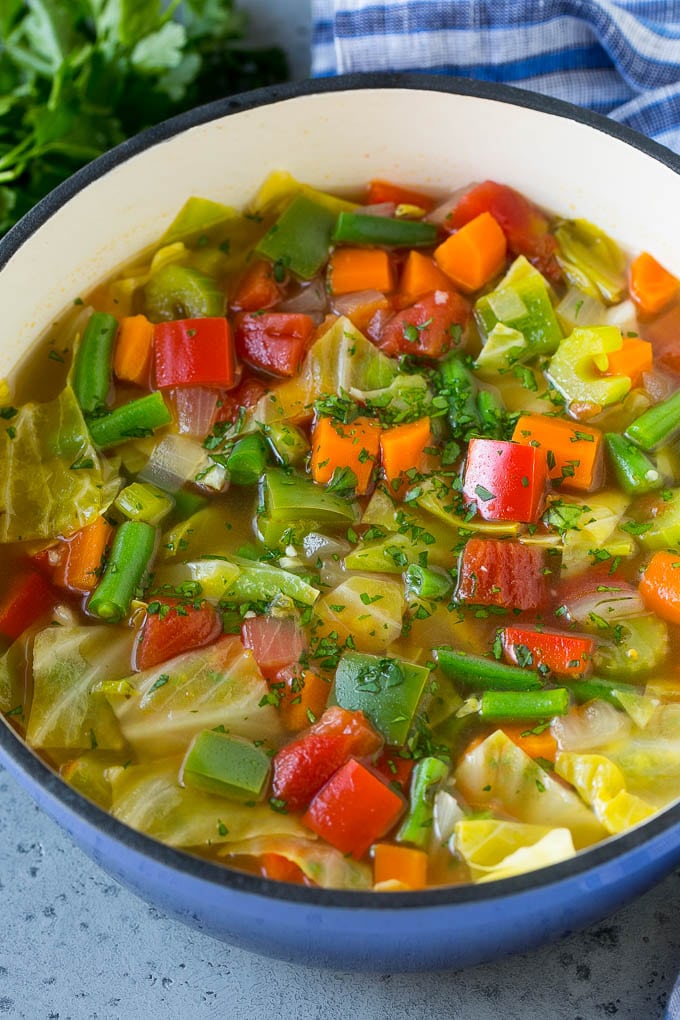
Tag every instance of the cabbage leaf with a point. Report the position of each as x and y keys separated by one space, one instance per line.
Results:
x=68 y=663
x=220 y=685
x=323 y=864
x=53 y=481
x=500 y=776
x=149 y=798
x=494 y=849
x=602 y=785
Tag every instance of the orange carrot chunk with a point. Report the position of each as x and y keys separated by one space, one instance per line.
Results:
x=573 y=453
x=660 y=586
x=651 y=286
x=474 y=254
x=132 y=357
x=536 y=745
x=402 y=864
x=421 y=275
x=81 y=568
x=354 y=269
x=403 y=450
x=303 y=696
x=633 y=358
x=336 y=446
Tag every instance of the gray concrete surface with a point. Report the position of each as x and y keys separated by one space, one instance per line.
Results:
x=76 y=946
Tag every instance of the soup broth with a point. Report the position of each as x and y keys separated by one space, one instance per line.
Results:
x=340 y=540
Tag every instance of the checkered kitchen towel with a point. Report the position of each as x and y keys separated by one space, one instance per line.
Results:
x=618 y=57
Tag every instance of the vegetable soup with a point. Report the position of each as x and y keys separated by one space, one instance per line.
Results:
x=341 y=537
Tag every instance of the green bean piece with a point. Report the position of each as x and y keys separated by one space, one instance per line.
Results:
x=428 y=775
x=458 y=386
x=497 y=706
x=356 y=228
x=606 y=690
x=635 y=472
x=474 y=672
x=491 y=415
x=180 y=292
x=93 y=361
x=247 y=460
x=427 y=583
x=130 y=421
x=657 y=426
x=131 y=553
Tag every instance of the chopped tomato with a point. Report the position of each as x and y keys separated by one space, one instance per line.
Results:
x=303 y=766
x=564 y=654
x=505 y=481
x=395 y=768
x=354 y=809
x=385 y=191
x=246 y=394
x=175 y=629
x=28 y=597
x=523 y=223
x=502 y=573
x=428 y=328
x=257 y=288
x=274 y=642
x=194 y=352
x=274 y=341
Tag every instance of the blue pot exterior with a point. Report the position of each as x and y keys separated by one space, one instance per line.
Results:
x=444 y=928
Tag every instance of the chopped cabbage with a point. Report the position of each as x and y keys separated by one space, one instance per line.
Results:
x=68 y=662
x=150 y=799
x=323 y=864
x=220 y=685
x=52 y=478
x=368 y=608
x=497 y=849
x=497 y=774
x=602 y=785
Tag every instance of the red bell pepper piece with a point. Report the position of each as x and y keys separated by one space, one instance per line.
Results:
x=175 y=629
x=28 y=597
x=428 y=328
x=505 y=481
x=523 y=223
x=274 y=341
x=564 y=654
x=354 y=809
x=194 y=352
x=497 y=573
x=257 y=288
x=302 y=767
x=274 y=642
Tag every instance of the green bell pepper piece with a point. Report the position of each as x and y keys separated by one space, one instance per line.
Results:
x=180 y=292
x=229 y=766
x=386 y=690
x=427 y=777
x=301 y=237
x=522 y=302
x=591 y=261
x=573 y=370
x=290 y=499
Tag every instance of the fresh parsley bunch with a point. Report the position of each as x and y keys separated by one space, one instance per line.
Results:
x=79 y=76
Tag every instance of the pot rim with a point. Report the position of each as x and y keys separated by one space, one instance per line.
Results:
x=27 y=764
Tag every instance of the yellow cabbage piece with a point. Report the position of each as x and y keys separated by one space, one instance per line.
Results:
x=326 y=866
x=51 y=477
x=280 y=187
x=369 y=608
x=500 y=776
x=220 y=685
x=602 y=785
x=150 y=799
x=495 y=849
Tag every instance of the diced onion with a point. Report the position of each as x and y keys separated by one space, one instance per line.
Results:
x=347 y=304
x=440 y=213
x=315 y=545
x=595 y=724
x=622 y=315
x=311 y=300
x=378 y=209
x=446 y=812
x=619 y=604
x=195 y=408
x=174 y=461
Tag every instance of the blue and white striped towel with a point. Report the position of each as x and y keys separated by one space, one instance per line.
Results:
x=618 y=57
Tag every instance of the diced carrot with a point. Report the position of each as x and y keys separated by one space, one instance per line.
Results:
x=383 y=191
x=564 y=654
x=660 y=586
x=132 y=358
x=634 y=358
x=402 y=864
x=353 y=269
x=403 y=450
x=536 y=745
x=573 y=453
x=280 y=869
x=421 y=275
x=474 y=254
x=257 y=288
x=80 y=569
x=336 y=446
x=28 y=597
x=651 y=286
x=303 y=696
